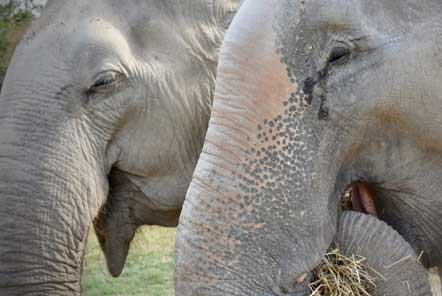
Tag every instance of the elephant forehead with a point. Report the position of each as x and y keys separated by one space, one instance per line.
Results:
x=79 y=53
x=250 y=62
x=267 y=84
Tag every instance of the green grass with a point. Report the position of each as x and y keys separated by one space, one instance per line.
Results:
x=148 y=270
x=12 y=27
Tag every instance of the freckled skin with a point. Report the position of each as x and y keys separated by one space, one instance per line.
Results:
x=296 y=118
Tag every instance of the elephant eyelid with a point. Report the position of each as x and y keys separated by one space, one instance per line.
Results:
x=105 y=81
x=345 y=47
x=340 y=53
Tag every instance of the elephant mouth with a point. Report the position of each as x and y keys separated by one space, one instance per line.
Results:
x=385 y=256
x=359 y=197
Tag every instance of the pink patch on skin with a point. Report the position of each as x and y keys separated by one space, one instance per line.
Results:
x=362 y=199
x=258 y=81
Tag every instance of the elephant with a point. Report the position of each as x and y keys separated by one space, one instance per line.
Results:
x=103 y=114
x=312 y=101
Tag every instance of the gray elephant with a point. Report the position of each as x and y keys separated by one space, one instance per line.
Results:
x=312 y=100
x=103 y=114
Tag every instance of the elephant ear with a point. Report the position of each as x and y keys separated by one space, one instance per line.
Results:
x=391 y=259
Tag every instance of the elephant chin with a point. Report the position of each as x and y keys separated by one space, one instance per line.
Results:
x=390 y=257
x=116 y=255
x=127 y=208
x=115 y=245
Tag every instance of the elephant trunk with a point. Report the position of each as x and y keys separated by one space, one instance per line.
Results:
x=255 y=219
x=51 y=187
x=391 y=259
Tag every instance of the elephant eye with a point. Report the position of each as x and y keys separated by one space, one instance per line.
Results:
x=105 y=81
x=339 y=54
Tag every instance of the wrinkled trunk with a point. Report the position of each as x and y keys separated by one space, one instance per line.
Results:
x=246 y=225
x=50 y=189
x=388 y=257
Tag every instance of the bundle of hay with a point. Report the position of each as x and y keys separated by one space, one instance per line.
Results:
x=338 y=275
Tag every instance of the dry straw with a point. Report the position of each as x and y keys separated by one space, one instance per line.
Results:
x=338 y=275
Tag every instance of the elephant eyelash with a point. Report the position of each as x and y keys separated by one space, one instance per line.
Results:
x=359 y=39
x=362 y=44
x=105 y=82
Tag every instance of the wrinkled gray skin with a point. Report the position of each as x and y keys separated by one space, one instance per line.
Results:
x=385 y=251
x=319 y=97
x=100 y=97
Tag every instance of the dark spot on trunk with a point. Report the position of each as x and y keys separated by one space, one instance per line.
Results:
x=308 y=89
x=323 y=110
x=323 y=74
x=309 y=85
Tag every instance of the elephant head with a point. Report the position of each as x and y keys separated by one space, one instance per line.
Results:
x=313 y=99
x=103 y=114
